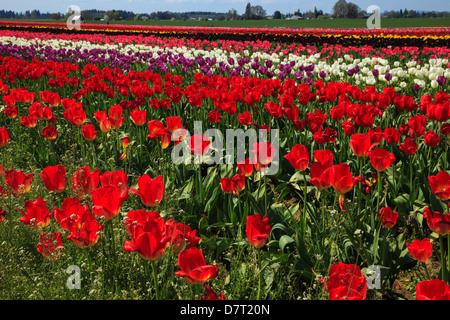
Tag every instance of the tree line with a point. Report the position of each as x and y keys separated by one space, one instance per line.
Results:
x=341 y=9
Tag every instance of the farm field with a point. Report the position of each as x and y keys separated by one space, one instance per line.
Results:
x=312 y=23
x=175 y=162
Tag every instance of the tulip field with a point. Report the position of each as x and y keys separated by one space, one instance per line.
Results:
x=344 y=195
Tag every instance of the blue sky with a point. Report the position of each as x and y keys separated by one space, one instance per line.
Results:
x=147 y=6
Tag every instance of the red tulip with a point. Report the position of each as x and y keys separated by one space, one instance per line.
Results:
x=431 y=139
x=194 y=268
x=245 y=167
x=75 y=115
x=28 y=121
x=417 y=125
x=409 y=146
x=298 y=157
x=346 y=282
x=263 y=154
x=199 y=145
x=117 y=178
x=151 y=191
x=173 y=123
x=182 y=237
x=139 y=217
x=381 y=159
x=323 y=161
x=50 y=245
x=391 y=135
x=437 y=222
x=19 y=182
x=257 y=230
x=70 y=214
x=4 y=137
x=361 y=144
x=37 y=215
x=148 y=241
x=89 y=132
x=156 y=129
x=211 y=295
x=225 y=184
x=49 y=132
x=86 y=232
x=238 y=182
x=435 y=289
x=139 y=117
x=54 y=178
x=388 y=217
x=108 y=201
x=420 y=249
x=84 y=181
x=340 y=178
x=440 y=185
x=2 y=216
x=214 y=116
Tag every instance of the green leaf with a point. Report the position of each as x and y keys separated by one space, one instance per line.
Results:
x=284 y=241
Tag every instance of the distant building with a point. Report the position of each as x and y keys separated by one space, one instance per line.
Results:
x=295 y=17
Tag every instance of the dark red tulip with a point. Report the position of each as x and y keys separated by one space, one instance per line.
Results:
x=50 y=245
x=388 y=217
x=391 y=135
x=49 y=132
x=431 y=139
x=409 y=146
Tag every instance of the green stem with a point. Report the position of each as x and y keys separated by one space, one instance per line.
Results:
x=155 y=279
x=443 y=264
x=258 y=295
x=426 y=270
x=303 y=220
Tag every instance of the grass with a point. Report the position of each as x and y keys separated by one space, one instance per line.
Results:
x=316 y=23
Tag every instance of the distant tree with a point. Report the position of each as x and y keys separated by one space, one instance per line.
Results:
x=401 y=12
x=277 y=15
x=232 y=14
x=248 y=11
x=316 y=14
x=352 y=10
x=340 y=9
x=258 y=12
